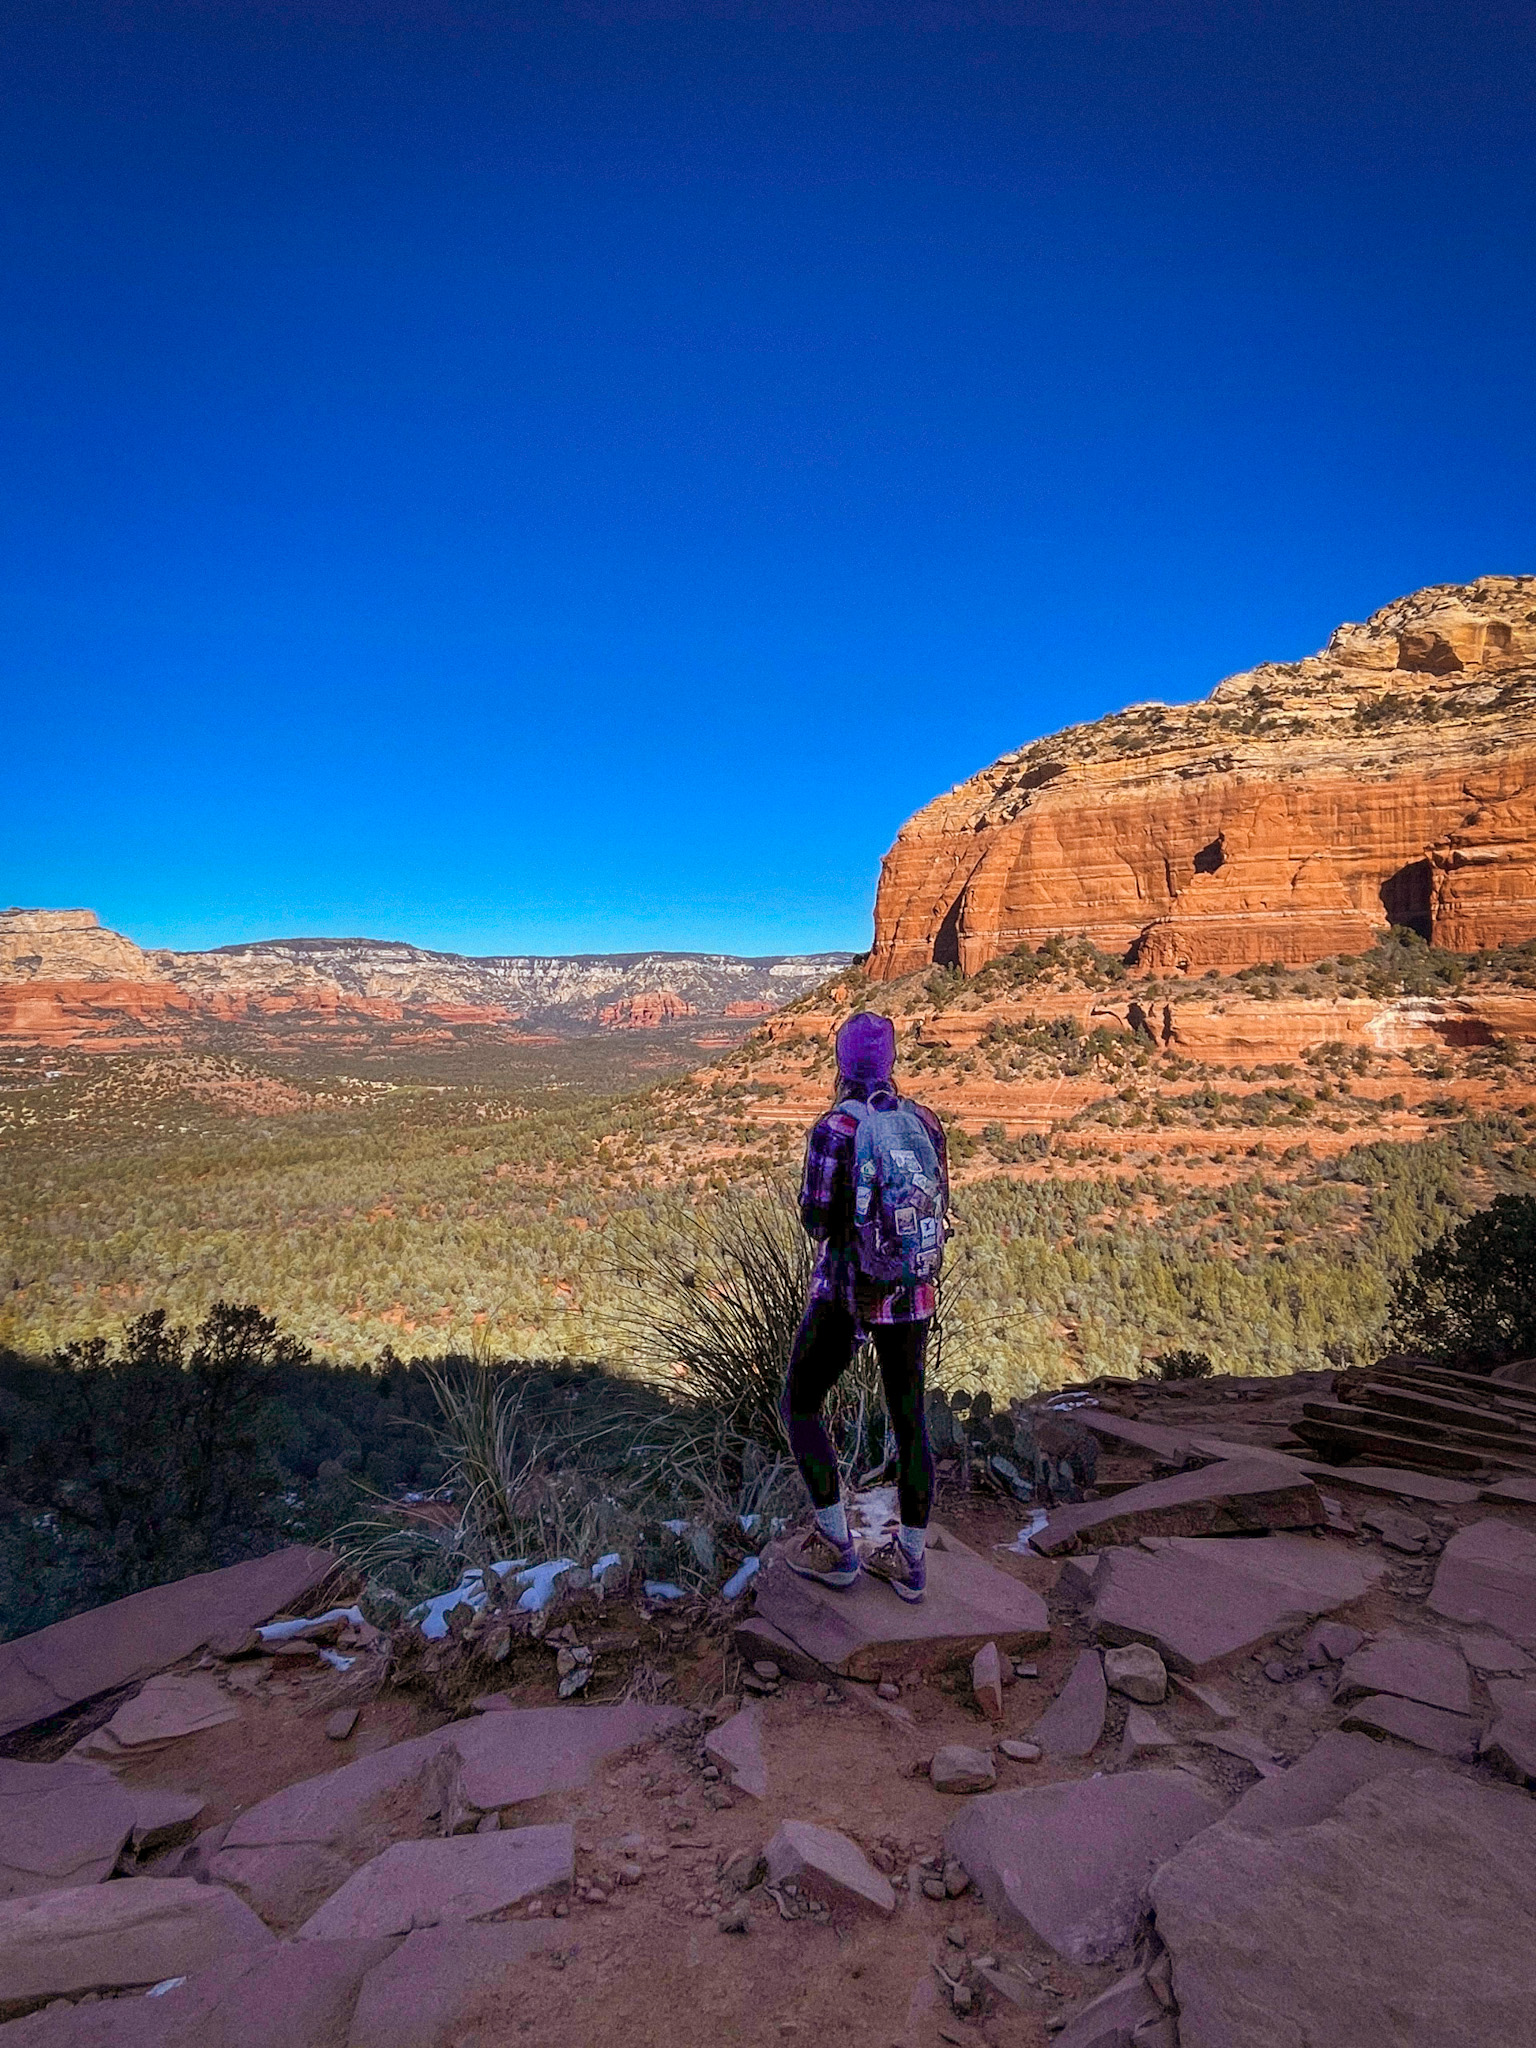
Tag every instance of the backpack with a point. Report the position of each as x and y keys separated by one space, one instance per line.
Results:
x=898 y=1200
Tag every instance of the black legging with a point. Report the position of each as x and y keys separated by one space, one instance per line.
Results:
x=824 y=1347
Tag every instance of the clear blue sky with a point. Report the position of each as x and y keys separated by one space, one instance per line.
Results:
x=578 y=477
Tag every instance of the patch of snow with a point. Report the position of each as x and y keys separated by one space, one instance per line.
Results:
x=284 y=1631
x=741 y=1578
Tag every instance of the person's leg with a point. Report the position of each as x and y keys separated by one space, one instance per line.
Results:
x=823 y=1351
x=901 y=1349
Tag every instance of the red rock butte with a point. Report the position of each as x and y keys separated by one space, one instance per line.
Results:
x=1294 y=814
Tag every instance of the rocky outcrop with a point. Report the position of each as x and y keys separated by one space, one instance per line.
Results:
x=67 y=945
x=1294 y=814
x=645 y=1012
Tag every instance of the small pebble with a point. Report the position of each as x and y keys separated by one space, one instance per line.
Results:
x=735 y=1919
x=886 y=1690
x=630 y=1873
x=1021 y=1752
x=765 y=1668
x=711 y=1774
x=1275 y=1671
x=933 y=1888
x=956 y=1880
x=954 y=1934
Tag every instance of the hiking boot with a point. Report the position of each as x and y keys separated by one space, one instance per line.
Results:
x=815 y=1556
x=902 y=1574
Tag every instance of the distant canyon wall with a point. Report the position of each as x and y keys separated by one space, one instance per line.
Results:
x=67 y=979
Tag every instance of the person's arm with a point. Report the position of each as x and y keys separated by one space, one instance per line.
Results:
x=819 y=1183
x=936 y=1132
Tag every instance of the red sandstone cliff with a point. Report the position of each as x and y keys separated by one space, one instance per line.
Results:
x=1293 y=814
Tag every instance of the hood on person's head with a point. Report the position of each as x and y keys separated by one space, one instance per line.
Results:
x=866 y=1048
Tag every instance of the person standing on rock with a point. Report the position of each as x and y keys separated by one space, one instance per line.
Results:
x=874 y=1197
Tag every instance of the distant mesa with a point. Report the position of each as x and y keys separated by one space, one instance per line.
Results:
x=1294 y=814
x=66 y=979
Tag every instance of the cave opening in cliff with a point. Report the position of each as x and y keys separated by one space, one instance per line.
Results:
x=1405 y=897
x=1211 y=857
x=946 y=944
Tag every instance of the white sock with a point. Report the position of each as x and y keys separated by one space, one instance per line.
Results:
x=833 y=1523
x=912 y=1541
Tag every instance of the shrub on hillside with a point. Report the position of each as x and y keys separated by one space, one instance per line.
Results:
x=1470 y=1298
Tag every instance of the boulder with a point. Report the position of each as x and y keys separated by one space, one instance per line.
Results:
x=112 y=1646
x=1141 y=1734
x=428 y=1992
x=1071 y=1861
x=1072 y=1724
x=1412 y=1667
x=737 y=1746
x=1453 y=1735
x=1510 y=1744
x=1405 y=1920
x=1137 y=1671
x=865 y=1631
x=1210 y=1702
x=460 y=1877
x=1233 y=1497
x=1198 y=1599
x=60 y=1825
x=109 y=1937
x=959 y=1768
x=827 y=1865
x=1485 y=1651
x=161 y=1818
x=1112 y=2019
x=1243 y=1743
x=284 y=1882
x=1318 y=1782
x=987 y=1681
x=1487 y=1573
x=1397 y=1530
x=1330 y=1643
x=164 y=1709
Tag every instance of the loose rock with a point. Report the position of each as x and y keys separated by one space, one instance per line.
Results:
x=1073 y=1723
x=987 y=1681
x=826 y=1864
x=958 y=1768
x=1137 y=1671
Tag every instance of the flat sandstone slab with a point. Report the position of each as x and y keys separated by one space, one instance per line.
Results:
x=60 y=1825
x=1072 y=1861
x=867 y=1630
x=109 y=1937
x=1197 y=1599
x=441 y=1979
x=279 y=1996
x=1405 y=1920
x=1412 y=1667
x=1232 y=1498
x=457 y=1877
x=1487 y=1573
x=74 y=1660
x=164 y=1710
x=1431 y=1728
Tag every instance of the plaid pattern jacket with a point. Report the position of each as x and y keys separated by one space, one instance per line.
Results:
x=826 y=1210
